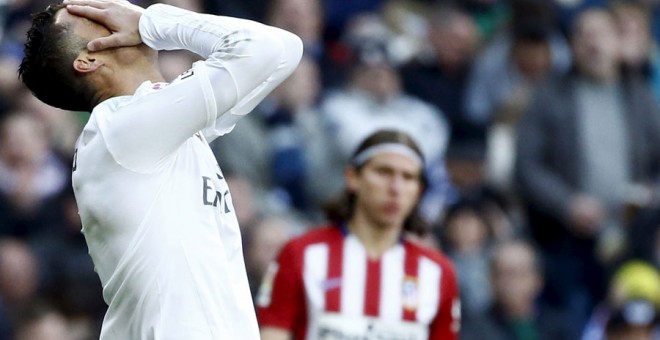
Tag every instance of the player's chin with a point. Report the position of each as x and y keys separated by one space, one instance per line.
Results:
x=391 y=220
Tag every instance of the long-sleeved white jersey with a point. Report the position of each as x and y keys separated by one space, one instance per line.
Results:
x=156 y=210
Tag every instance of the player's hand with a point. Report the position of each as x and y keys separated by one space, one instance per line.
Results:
x=120 y=16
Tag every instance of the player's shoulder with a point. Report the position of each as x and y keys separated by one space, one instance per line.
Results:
x=434 y=255
x=293 y=251
x=318 y=234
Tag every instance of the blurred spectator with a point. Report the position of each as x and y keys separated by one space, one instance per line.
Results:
x=465 y=162
x=10 y=85
x=249 y=203
x=31 y=175
x=466 y=240
x=248 y=9
x=644 y=235
x=298 y=141
x=342 y=53
x=338 y=13
x=268 y=237
x=302 y=17
x=291 y=156
x=635 y=285
x=490 y=15
x=6 y=326
x=409 y=23
x=504 y=76
x=439 y=75
x=633 y=28
x=19 y=274
x=635 y=320
x=653 y=8
x=639 y=52
x=61 y=128
x=587 y=142
x=506 y=71
x=38 y=321
x=635 y=280
x=3 y=13
x=517 y=280
x=568 y=10
x=67 y=270
x=360 y=277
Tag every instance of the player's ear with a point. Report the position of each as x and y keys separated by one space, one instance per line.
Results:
x=86 y=63
x=351 y=178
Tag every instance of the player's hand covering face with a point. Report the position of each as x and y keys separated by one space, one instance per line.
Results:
x=388 y=187
x=119 y=16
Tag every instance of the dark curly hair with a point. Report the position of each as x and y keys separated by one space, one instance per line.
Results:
x=339 y=209
x=47 y=66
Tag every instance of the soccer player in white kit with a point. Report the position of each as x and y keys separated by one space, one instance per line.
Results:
x=156 y=211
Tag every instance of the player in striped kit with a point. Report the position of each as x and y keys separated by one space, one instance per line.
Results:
x=361 y=278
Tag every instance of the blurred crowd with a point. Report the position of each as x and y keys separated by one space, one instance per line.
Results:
x=539 y=124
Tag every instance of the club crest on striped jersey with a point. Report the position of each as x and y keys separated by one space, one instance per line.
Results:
x=331 y=283
x=410 y=293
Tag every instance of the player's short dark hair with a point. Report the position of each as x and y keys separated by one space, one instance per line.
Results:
x=47 y=66
x=341 y=208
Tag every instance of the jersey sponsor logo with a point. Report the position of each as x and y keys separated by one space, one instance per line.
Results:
x=336 y=326
x=410 y=293
x=212 y=197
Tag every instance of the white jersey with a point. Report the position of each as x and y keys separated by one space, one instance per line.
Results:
x=156 y=211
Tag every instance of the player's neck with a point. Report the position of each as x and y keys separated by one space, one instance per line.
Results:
x=125 y=81
x=375 y=238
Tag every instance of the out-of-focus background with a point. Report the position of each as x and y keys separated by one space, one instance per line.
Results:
x=537 y=118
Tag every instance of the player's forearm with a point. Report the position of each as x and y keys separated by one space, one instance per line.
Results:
x=165 y=27
x=245 y=48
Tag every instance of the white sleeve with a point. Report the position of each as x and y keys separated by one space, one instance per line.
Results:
x=245 y=61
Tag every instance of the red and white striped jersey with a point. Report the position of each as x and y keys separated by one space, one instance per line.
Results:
x=323 y=286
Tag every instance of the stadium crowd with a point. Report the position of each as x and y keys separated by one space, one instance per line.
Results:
x=538 y=121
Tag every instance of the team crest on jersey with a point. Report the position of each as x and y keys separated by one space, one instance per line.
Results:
x=410 y=293
x=158 y=86
x=331 y=283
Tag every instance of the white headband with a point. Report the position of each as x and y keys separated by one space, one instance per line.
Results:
x=399 y=148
